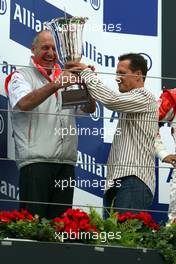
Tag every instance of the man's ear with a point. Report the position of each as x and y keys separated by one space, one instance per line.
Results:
x=138 y=74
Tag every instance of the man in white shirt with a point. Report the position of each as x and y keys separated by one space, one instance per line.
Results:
x=45 y=156
x=167 y=114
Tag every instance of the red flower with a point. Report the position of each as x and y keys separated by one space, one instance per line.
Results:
x=15 y=216
x=145 y=217
x=73 y=221
x=121 y=218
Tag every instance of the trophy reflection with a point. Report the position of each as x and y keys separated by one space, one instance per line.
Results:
x=68 y=38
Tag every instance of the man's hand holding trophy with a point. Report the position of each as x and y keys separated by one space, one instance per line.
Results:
x=68 y=37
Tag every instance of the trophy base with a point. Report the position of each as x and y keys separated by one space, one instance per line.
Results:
x=77 y=97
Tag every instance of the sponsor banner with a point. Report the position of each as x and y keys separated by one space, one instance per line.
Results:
x=3 y=7
x=92 y=153
x=100 y=48
x=95 y=4
x=9 y=189
x=95 y=55
x=3 y=127
x=131 y=17
x=27 y=17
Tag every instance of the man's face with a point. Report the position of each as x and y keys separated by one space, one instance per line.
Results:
x=44 y=51
x=127 y=80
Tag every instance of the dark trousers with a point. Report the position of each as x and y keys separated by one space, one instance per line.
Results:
x=133 y=194
x=40 y=182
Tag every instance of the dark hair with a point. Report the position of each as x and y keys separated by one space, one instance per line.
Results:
x=137 y=62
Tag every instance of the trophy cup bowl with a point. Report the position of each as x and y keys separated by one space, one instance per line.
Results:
x=67 y=33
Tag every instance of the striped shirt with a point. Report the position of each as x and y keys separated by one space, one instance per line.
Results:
x=132 y=152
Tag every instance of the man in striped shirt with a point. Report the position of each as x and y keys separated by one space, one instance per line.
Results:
x=132 y=154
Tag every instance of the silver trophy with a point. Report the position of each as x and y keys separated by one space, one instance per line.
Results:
x=68 y=37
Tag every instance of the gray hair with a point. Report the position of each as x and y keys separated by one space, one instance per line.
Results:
x=36 y=38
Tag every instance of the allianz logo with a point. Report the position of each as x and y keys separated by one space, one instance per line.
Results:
x=1 y=124
x=3 y=7
x=9 y=190
x=148 y=59
x=95 y=4
x=97 y=114
x=27 y=18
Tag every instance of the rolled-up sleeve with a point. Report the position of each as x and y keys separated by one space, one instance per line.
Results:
x=132 y=101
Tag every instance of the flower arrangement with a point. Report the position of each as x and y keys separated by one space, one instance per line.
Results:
x=127 y=229
x=23 y=225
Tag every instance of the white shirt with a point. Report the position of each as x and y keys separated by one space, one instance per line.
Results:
x=18 y=87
